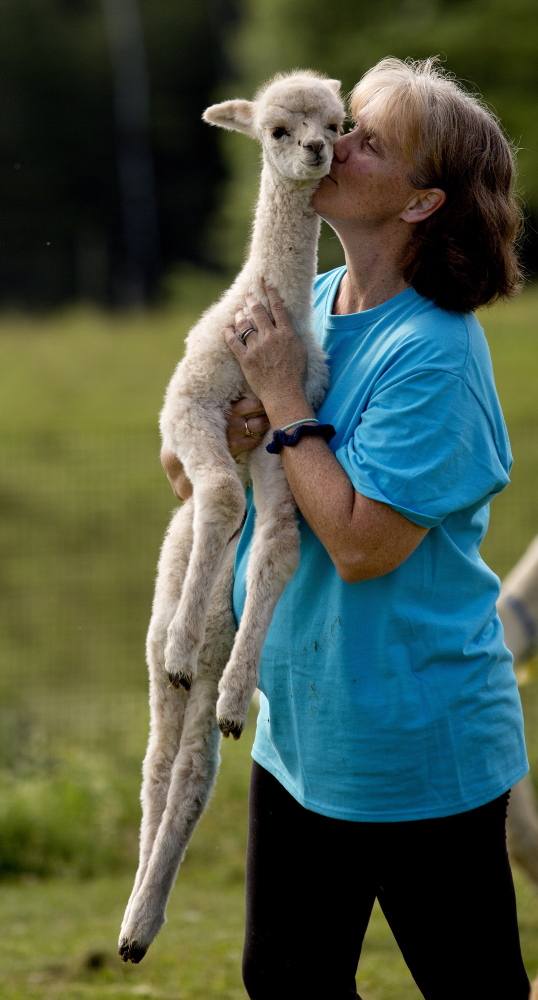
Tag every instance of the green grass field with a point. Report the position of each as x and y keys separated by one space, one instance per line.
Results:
x=83 y=506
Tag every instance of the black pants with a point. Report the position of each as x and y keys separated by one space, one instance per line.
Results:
x=444 y=885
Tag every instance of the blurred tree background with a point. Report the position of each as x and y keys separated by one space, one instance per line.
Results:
x=114 y=194
x=108 y=178
x=84 y=161
x=491 y=45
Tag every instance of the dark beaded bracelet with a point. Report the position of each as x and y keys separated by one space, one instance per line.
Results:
x=281 y=439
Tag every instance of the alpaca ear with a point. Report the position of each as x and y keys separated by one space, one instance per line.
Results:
x=237 y=116
x=334 y=85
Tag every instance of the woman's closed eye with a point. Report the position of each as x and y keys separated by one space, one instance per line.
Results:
x=367 y=139
x=371 y=142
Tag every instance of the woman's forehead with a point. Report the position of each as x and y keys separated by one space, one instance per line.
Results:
x=390 y=118
x=383 y=128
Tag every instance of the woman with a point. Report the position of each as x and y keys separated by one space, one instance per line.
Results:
x=390 y=728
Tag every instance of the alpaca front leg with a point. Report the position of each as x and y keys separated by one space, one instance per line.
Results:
x=273 y=559
x=219 y=506
x=192 y=780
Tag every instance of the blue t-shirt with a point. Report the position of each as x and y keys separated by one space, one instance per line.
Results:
x=395 y=698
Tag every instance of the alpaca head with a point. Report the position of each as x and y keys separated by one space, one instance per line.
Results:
x=296 y=117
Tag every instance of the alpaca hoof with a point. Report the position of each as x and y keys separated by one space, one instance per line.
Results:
x=131 y=951
x=228 y=726
x=178 y=680
x=140 y=927
x=180 y=663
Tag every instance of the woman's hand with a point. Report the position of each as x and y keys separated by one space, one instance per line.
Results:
x=246 y=427
x=272 y=357
x=247 y=423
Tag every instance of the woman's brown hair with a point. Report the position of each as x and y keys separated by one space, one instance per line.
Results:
x=464 y=255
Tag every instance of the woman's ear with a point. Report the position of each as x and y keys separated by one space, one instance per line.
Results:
x=423 y=204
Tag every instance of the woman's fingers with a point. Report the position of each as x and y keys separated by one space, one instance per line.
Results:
x=248 y=406
x=245 y=433
x=280 y=314
x=236 y=345
x=277 y=319
x=247 y=424
x=255 y=426
x=259 y=314
x=275 y=301
x=272 y=357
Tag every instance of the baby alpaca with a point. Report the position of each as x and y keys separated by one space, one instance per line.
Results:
x=296 y=118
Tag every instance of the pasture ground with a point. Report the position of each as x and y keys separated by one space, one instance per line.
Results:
x=59 y=934
x=83 y=505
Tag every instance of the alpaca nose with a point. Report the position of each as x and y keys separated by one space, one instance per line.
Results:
x=315 y=145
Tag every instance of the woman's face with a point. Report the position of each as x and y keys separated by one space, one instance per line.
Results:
x=368 y=183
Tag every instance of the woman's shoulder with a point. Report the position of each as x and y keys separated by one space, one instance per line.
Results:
x=408 y=333
x=423 y=336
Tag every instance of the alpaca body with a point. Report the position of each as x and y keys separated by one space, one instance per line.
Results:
x=204 y=384
x=192 y=628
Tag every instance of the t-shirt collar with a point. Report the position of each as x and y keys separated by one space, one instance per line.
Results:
x=357 y=321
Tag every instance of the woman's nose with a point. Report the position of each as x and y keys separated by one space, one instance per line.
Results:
x=340 y=149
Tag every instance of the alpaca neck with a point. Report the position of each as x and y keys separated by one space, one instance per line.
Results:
x=283 y=247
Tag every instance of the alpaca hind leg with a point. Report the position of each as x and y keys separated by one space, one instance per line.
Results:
x=193 y=776
x=194 y=773
x=273 y=559
x=167 y=706
x=219 y=506
x=163 y=746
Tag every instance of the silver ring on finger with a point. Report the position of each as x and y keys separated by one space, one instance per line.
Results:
x=244 y=334
x=248 y=432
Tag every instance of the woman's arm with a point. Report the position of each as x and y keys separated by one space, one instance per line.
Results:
x=364 y=538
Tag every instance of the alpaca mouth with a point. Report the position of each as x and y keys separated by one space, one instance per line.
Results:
x=315 y=161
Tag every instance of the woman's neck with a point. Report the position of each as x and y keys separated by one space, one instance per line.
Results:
x=373 y=271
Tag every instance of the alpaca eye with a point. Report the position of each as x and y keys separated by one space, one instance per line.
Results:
x=277 y=133
x=334 y=128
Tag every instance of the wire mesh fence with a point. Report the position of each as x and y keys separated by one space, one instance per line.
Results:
x=81 y=520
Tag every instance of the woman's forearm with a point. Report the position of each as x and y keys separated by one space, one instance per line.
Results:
x=363 y=537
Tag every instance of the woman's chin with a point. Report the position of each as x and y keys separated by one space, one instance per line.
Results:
x=321 y=196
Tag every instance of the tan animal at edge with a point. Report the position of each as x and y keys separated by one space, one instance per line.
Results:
x=518 y=610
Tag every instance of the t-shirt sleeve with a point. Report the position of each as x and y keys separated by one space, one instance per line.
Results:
x=426 y=447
